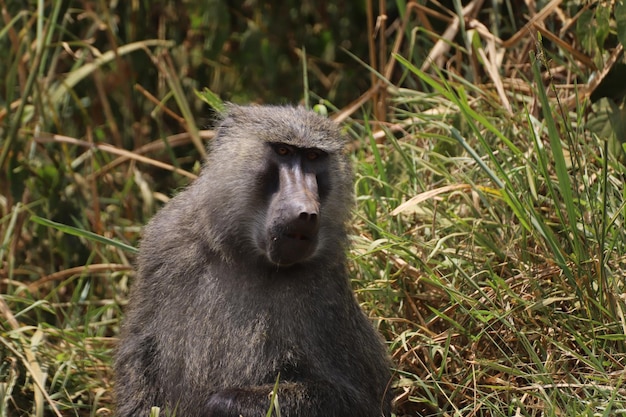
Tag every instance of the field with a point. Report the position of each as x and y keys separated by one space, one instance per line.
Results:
x=488 y=242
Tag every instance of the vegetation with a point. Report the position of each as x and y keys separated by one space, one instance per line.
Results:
x=489 y=242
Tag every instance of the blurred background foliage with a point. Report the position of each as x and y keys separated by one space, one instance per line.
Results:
x=242 y=51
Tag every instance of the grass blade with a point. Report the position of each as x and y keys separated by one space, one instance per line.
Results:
x=84 y=234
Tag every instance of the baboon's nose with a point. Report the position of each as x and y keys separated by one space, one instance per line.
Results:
x=308 y=217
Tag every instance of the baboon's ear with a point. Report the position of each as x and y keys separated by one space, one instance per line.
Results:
x=227 y=119
x=231 y=110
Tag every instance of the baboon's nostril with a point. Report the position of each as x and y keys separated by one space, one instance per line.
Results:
x=308 y=217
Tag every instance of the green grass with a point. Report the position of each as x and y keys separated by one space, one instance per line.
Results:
x=488 y=245
x=499 y=261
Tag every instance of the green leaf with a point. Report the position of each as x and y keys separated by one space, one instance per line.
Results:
x=560 y=164
x=274 y=399
x=603 y=15
x=70 y=230
x=620 y=20
x=583 y=33
x=212 y=99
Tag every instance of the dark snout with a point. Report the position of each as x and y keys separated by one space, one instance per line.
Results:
x=294 y=217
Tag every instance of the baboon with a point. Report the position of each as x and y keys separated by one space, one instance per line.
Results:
x=242 y=281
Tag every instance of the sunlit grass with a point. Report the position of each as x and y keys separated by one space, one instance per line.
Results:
x=502 y=257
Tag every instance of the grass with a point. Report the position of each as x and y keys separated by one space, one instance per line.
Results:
x=488 y=242
x=501 y=258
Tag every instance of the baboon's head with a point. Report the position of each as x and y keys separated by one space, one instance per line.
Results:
x=285 y=184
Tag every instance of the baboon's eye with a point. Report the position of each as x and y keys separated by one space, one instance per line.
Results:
x=312 y=155
x=282 y=150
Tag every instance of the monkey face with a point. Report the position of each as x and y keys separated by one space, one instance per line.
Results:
x=286 y=180
x=293 y=218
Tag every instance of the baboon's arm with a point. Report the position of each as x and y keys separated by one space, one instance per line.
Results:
x=136 y=377
x=301 y=399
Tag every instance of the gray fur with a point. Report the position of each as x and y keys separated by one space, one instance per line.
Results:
x=211 y=322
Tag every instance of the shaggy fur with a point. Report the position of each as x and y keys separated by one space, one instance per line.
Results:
x=212 y=322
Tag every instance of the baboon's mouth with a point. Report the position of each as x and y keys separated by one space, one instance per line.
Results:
x=297 y=236
x=289 y=247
